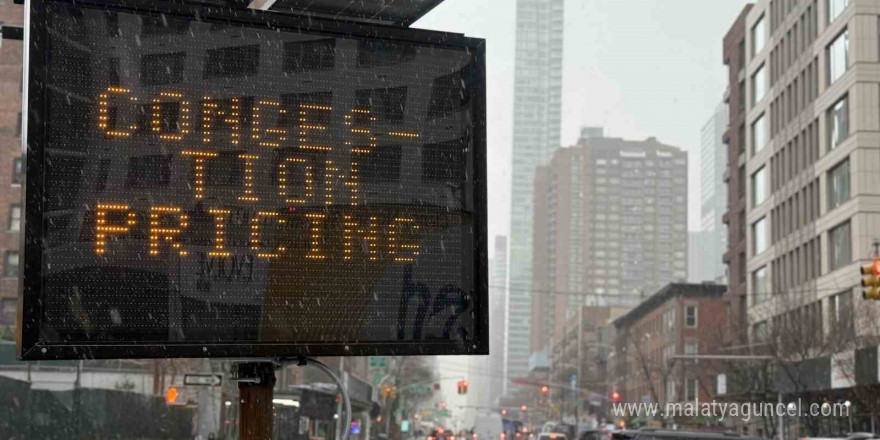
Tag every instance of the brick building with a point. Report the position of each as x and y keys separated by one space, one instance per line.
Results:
x=679 y=319
x=735 y=299
x=11 y=176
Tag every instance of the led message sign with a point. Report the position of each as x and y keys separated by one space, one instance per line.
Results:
x=206 y=182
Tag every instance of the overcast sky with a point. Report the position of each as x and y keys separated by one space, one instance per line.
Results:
x=639 y=68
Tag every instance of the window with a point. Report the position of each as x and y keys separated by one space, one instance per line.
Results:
x=18 y=127
x=16 y=171
x=8 y=311
x=759 y=134
x=691 y=389
x=759 y=187
x=835 y=8
x=760 y=285
x=670 y=390
x=839 y=246
x=759 y=36
x=839 y=308
x=837 y=55
x=759 y=85
x=759 y=232
x=760 y=331
x=690 y=316
x=838 y=185
x=838 y=123
x=692 y=347
x=10 y=264
x=14 y=218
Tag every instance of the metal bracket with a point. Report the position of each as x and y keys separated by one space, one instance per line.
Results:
x=255 y=374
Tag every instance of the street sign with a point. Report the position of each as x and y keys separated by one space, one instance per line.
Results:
x=437 y=413
x=202 y=379
x=212 y=182
x=421 y=389
x=378 y=362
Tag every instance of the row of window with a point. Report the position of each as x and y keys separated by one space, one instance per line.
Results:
x=793 y=43
x=797 y=155
x=804 y=88
x=803 y=263
x=800 y=209
x=809 y=319
x=798 y=266
x=779 y=9
x=798 y=95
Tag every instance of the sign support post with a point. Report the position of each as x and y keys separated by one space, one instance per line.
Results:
x=256 y=383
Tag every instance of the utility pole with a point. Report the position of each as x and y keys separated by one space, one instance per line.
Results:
x=344 y=375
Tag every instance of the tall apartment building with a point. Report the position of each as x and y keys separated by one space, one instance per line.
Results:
x=735 y=298
x=11 y=176
x=711 y=240
x=813 y=165
x=610 y=228
x=537 y=112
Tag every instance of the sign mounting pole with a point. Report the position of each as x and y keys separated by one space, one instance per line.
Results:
x=256 y=383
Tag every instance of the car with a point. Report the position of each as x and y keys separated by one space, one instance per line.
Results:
x=668 y=434
x=552 y=436
x=597 y=434
x=852 y=436
x=440 y=434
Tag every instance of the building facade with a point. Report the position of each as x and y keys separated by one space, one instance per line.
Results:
x=537 y=110
x=498 y=303
x=610 y=227
x=813 y=165
x=679 y=319
x=579 y=356
x=11 y=175
x=711 y=241
x=735 y=298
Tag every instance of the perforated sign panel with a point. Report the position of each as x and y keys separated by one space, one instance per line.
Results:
x=215 y=183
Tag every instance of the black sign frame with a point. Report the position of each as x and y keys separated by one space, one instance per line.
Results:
x=30 y=311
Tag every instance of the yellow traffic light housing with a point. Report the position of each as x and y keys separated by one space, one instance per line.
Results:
x=871 y=280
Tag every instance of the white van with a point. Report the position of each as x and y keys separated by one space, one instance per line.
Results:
x=488 y=426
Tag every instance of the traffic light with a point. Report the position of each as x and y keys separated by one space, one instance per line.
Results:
x=503 y=412
x=615 y=397
x=171 y=395
x=545 y=390
x=389 y=391
x=523 y=408
x=871 y=280
x=462 y=387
